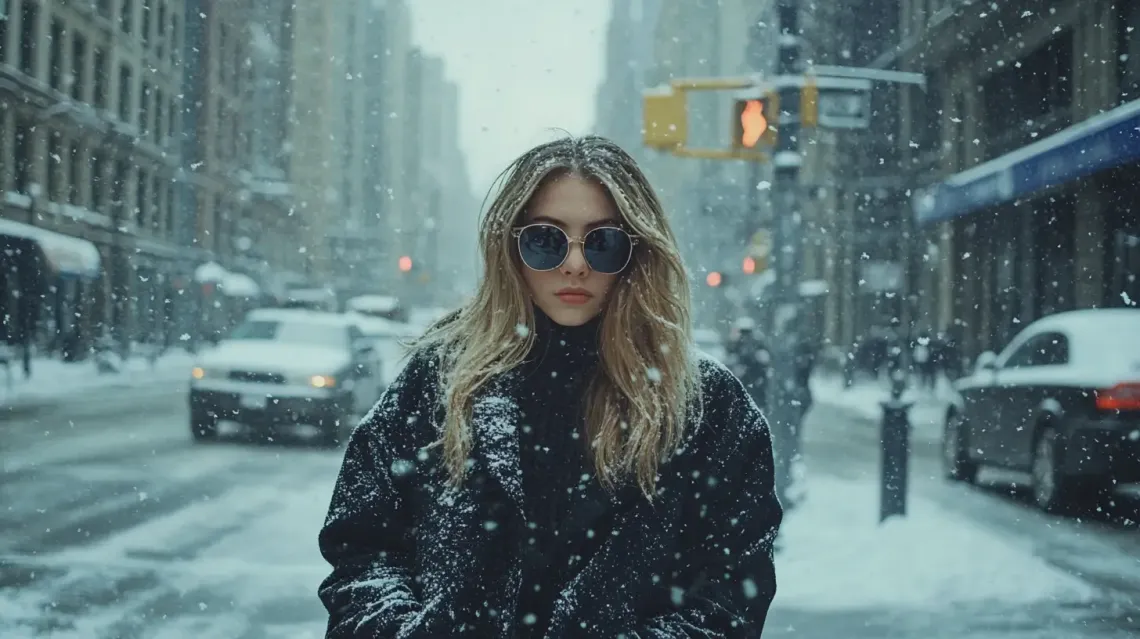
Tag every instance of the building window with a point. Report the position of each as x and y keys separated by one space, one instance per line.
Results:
x=100 y=77
x=169 y=212
x=157 y=200
x=78 y=65
x=125 y=78
x=142 y=196
x=146 y=16
x=5 y=18
x=55 y=72
x=29 y=18
x=175 y=38
x=159 y=117
x=98 y=182
x=1128 y=70
x=25 y=148
x=144 y=109
x=119 y=184
x=127 y=16
x=55 y=166
x=75 y=162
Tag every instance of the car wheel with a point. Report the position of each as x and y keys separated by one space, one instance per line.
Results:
x=956 y=463
x=203 y=425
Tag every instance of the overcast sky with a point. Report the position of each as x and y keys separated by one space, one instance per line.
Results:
x=524 y=67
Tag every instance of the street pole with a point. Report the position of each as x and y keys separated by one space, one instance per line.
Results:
x=786 y=400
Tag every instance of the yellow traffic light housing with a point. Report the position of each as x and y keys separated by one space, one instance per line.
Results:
x=664 y=119
x=664 y=112
x=809 y=102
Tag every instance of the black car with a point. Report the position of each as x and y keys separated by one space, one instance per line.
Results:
x=1061 y=402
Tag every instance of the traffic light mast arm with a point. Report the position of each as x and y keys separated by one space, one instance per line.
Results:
x=712 y=84
x=719 y=154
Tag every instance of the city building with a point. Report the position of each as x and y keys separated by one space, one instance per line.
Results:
x=89 y=120
x=267 y=241
x=1027 y=165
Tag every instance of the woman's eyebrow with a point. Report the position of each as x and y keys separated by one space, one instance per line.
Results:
x=559 y=223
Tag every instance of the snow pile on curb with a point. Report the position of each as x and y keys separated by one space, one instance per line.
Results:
x=836 y=556
x=54 y=378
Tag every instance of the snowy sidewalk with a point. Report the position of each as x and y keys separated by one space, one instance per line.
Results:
x=53 y=381
x=932 y=574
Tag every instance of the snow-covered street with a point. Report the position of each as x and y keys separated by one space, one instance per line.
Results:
x=117 y=525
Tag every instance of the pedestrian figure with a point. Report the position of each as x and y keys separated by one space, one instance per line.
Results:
x=556 y=459
x=751 y=361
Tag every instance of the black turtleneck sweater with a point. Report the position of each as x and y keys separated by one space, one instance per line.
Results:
x=557 y=472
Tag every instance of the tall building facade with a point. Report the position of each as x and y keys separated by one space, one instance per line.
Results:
x=90 y=115
x=374 y=154
x=1025 y=199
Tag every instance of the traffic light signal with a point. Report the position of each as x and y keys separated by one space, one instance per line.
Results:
x=405 y=264
x=752 y=122
x=713 y=279
x=749 y=266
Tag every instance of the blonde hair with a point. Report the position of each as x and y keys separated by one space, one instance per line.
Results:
x=637 y=403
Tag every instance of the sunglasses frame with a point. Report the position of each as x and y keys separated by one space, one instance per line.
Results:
x=570 y=241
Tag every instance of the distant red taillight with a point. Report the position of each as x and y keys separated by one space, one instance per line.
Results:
x=1120 y=397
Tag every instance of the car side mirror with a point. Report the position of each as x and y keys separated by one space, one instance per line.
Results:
x=987 y=361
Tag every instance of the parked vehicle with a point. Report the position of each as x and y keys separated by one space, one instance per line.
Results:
x=1061 y=401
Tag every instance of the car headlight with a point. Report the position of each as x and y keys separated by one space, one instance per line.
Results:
x=322 y=381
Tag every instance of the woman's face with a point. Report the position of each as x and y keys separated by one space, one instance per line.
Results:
x=573 y=293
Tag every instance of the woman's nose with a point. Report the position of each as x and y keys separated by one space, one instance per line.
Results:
x=575 y=263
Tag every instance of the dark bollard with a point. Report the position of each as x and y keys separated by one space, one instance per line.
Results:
x=895 y=446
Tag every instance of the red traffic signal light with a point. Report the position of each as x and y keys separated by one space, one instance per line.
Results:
x=749 y=266
x=713 y=279
x=405 y=264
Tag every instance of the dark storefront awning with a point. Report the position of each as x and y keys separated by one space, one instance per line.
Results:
x=62 y=254
x=1104 y=141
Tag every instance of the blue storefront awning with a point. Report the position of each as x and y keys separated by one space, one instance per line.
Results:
x=1104 y=141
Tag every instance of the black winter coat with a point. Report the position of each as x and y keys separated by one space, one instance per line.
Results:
x=412 y=558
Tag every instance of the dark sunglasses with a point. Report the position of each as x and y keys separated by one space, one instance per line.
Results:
x=544 y=247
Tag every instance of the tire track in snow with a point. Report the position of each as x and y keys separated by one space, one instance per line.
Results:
x=178 y=572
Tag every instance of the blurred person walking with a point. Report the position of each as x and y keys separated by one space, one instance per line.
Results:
x=750 y=360
x=556 y=460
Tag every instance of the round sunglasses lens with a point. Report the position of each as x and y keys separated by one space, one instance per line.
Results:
x=608 y=249
x=541 y=247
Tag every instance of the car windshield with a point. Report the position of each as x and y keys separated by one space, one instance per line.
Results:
x=292 y=332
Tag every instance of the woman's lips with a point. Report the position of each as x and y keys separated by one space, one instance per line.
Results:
x=574 y=297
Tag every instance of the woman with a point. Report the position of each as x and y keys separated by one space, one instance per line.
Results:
x=556 y=460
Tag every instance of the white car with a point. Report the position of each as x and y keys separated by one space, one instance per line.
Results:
x=286 y=366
